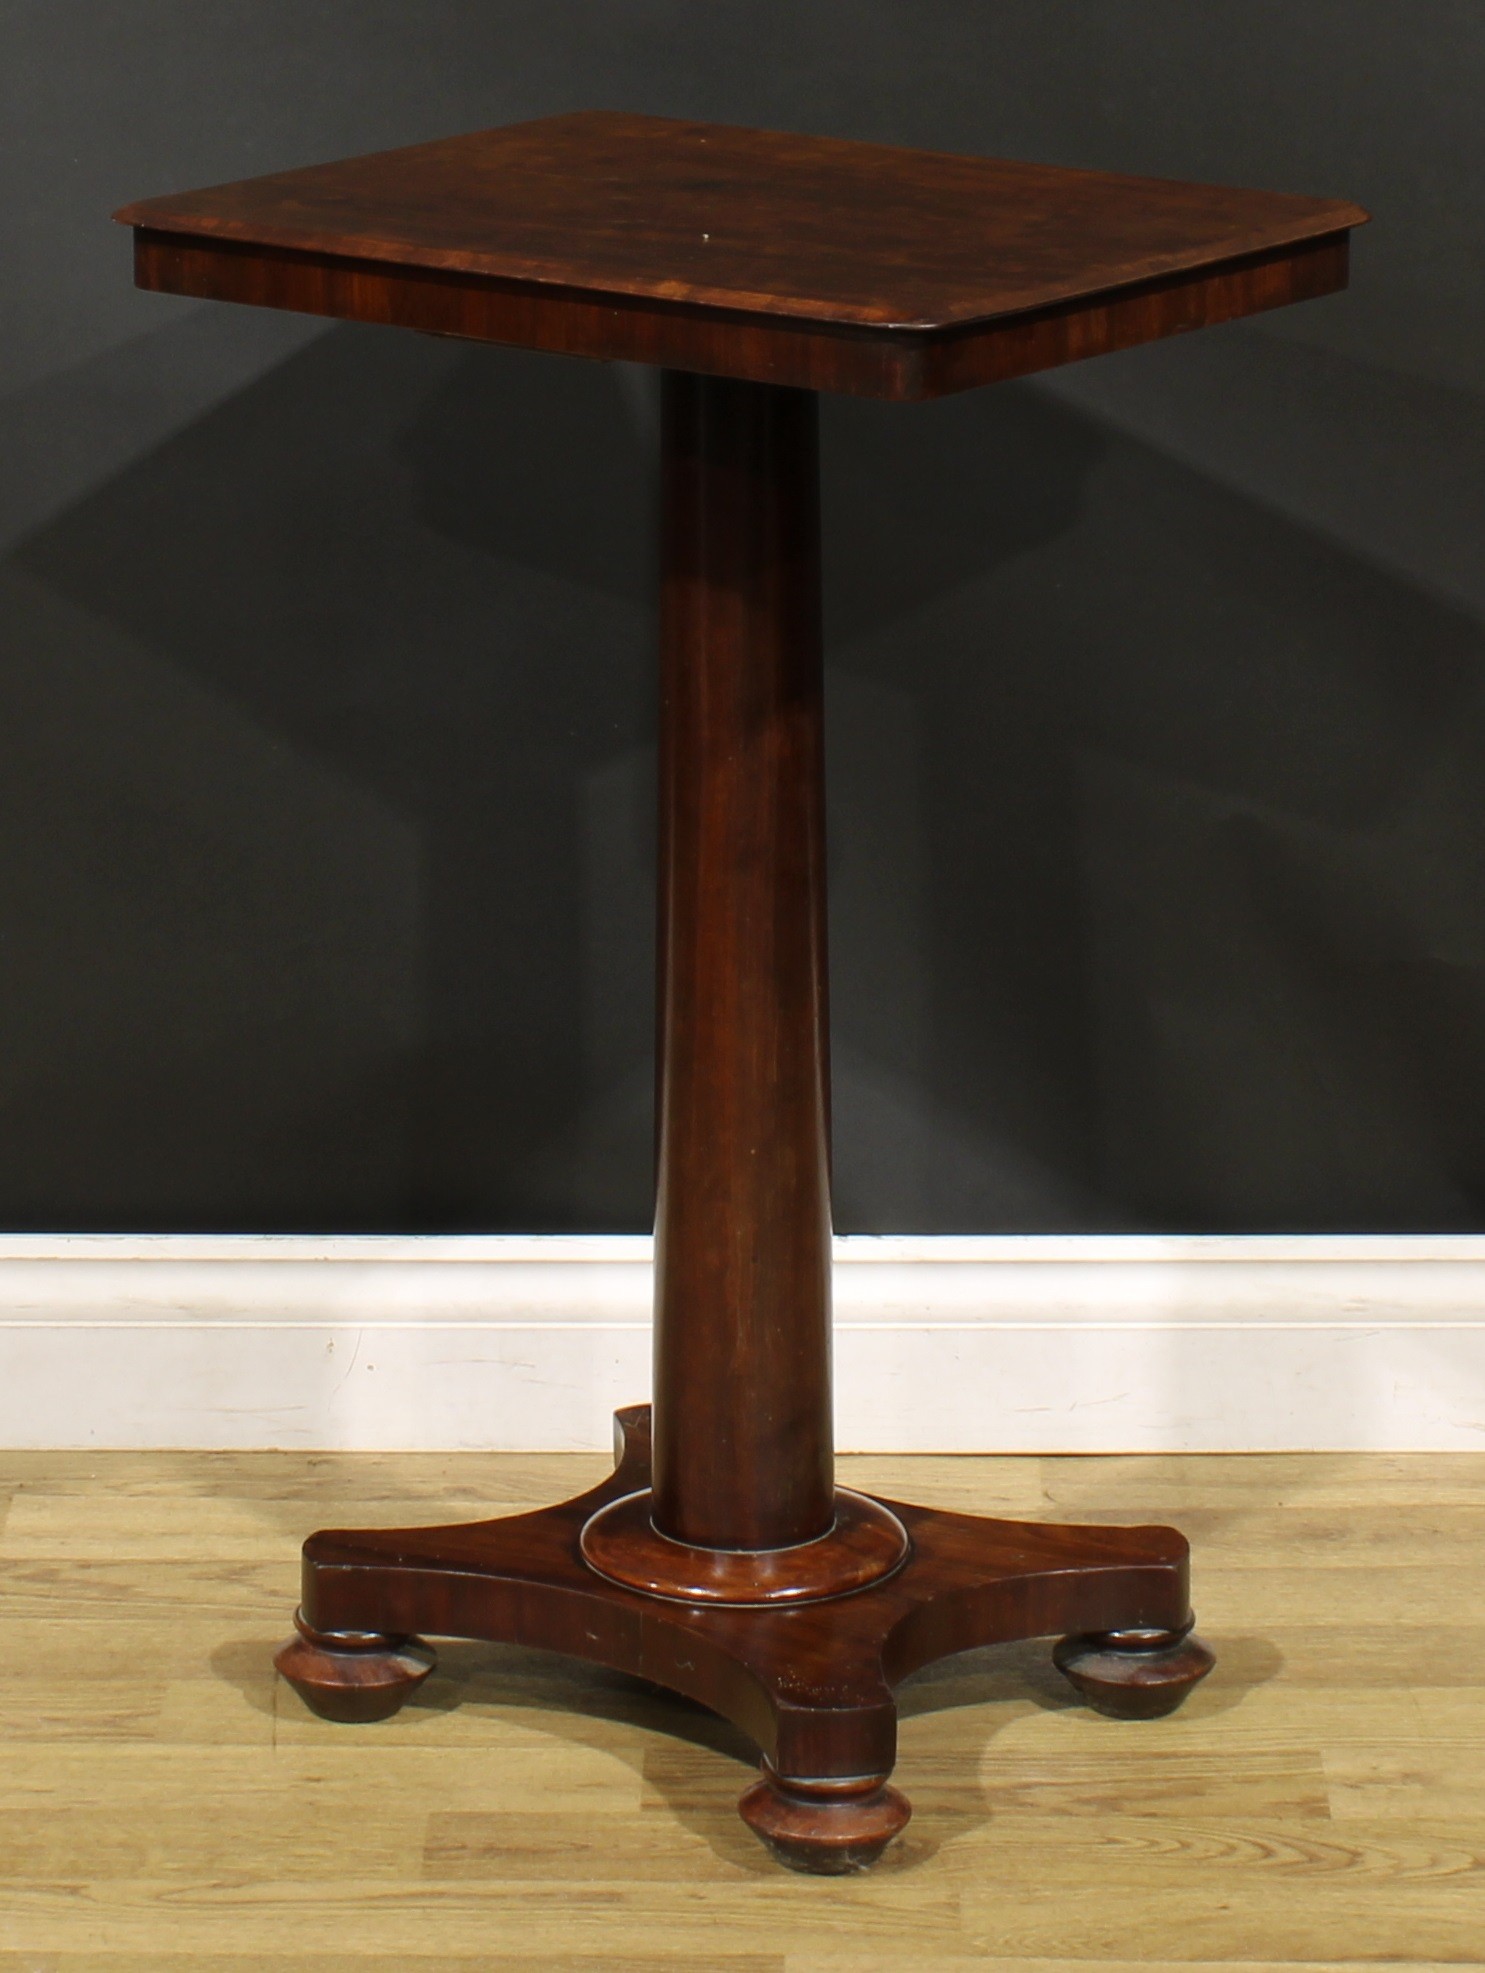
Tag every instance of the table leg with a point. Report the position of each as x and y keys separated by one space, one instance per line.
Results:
x=743 y=1456
x=720 y=1559
x=744 y=1491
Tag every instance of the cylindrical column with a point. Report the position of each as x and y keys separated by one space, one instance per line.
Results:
x=742 y=1419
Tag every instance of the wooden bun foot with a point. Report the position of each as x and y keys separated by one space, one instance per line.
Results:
x=353 y=1676
x=825 y=1827
x=1134 y=1674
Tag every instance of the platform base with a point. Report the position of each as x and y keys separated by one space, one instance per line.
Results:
x=810 y=1682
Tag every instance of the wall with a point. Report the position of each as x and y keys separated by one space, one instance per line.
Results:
x=1156 y=686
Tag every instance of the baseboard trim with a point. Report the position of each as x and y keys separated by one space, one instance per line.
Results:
x=1002 y=1344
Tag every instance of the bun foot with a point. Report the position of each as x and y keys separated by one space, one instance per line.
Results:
x=1134 y=1674
x=353 y=1676
x=825 y=1827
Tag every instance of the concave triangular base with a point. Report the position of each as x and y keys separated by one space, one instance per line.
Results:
x=811 y=1683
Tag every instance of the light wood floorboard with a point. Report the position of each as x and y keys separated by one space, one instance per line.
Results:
x=166 y=1804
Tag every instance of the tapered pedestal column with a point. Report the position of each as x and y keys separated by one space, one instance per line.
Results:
x=742 y=1208
x=721 y=1559
x=744 y=1506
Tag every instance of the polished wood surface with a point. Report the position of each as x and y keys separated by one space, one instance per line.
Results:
x=1134 y=1675
x=742 y=1204
x=169 y=1807
x=353 y=1679
x=829 y=1828
x=816 y=228
x=864 y=1542
x=725 y=1563
x=810 y=261
x=810 y=1683
x=897 y=364
x=722 y=1562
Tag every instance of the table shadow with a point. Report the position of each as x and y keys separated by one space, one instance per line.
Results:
x=336 y=759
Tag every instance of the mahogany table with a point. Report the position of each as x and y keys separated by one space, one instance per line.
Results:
x=720 y=1559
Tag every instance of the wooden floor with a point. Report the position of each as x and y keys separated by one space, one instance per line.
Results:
x=166 y=1805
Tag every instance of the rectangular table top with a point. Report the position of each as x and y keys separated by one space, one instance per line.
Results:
x=750 y=248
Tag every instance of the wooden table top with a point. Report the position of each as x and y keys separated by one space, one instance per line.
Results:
x=860 y=254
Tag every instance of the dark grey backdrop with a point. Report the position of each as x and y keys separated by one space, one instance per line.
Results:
x=1158 y=703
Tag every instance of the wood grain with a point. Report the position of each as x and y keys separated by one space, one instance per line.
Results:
x=742 y=1196
x=720 y=1560
x=819 y=229
x=1319 y=1803
x=808 y=261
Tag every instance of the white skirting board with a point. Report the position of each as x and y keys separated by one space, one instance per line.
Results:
x=1007 y=1344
